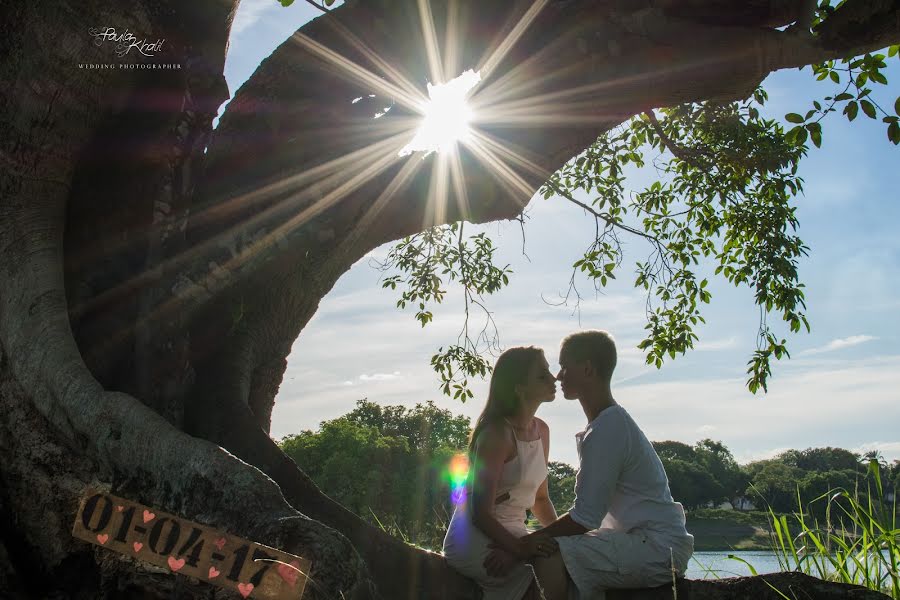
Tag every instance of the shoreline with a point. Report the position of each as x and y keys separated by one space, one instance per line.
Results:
x=716 y=530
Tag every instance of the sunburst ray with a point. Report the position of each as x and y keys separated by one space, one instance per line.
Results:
x=407 y=98
x=494 y=56
x=432 y=46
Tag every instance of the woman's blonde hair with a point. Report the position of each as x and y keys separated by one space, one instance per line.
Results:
x=511 y=369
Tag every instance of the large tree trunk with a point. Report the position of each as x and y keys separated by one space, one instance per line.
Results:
x=774 y=586
x=151 y=289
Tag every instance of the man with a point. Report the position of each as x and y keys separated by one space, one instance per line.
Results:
x=624 y=530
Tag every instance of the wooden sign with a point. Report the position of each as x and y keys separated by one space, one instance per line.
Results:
x=188 y=548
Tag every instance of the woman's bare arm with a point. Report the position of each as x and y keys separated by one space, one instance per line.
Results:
x=543 y=508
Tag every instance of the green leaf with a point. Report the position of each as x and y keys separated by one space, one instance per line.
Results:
x=843 y=96
x=851 y=110
x=793 y=118
x=834 y=76
x=868 y=108
x=897 y=105
x=286 y=2
x=893 y=133
x=815 y=134
x=796 y=136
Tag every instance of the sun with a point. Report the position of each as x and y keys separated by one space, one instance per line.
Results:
x=446 y=116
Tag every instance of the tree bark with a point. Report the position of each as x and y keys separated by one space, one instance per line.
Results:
x=774 y=586
x=53 y=407
x=154 y=275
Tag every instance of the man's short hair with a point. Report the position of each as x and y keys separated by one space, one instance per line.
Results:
x=593 y=345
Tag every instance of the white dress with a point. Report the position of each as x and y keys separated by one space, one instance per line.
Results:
x=465 y=546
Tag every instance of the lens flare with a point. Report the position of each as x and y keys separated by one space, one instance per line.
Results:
x=457 y=474
x=447 y=116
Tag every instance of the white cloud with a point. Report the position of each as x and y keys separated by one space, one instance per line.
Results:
x=380 y=376
x=716 y=345
x=841 y=343
x=890 y=450
x=804 y=408
x=249 y=12
x=824 y=406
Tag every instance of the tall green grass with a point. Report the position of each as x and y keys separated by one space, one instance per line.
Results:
x=858 y=543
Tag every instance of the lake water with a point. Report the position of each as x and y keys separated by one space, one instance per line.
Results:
x=712 y=565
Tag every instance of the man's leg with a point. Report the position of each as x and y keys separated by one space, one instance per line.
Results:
x=551 y=578
x=605 y=559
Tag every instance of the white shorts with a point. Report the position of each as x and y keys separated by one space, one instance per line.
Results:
x=609 y=558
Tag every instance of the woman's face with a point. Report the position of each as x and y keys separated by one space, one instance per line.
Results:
x=540 y=384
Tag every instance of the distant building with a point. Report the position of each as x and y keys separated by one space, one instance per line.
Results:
x=742 y=503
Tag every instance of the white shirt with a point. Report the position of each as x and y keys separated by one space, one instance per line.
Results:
x=621 y=483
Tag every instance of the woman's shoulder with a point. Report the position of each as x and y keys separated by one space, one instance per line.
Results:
x=542 y=426
x=494 y=433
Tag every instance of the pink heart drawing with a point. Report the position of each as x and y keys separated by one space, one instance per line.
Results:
x=175 y=565
x=220 y=543
x=245 y=589
x=213 y=572
x=102 y=537
x=137 y=546
x=120 y=508
x=289 y=572
x=148 y=516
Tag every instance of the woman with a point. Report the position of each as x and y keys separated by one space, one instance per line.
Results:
x=508 y=474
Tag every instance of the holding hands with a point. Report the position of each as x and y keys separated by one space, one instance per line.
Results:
x=499 y=562
x=536 y=544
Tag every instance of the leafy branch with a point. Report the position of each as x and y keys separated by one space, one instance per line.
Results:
x=855 y=73
x=422 y=263
x=322 y=7
x=724 y=193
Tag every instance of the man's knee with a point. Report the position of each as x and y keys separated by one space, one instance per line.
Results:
x=551 y=565
x=551 y=577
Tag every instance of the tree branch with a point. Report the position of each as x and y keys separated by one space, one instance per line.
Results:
x=319 y=6
x=602 y=216
x=856 y=28
x=688 y=155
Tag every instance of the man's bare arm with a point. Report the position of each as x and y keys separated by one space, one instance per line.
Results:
x=562 y=527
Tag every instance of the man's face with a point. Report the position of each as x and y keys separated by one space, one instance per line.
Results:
x=572 y=375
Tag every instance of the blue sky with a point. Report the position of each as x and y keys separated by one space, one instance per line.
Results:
x=841 y=388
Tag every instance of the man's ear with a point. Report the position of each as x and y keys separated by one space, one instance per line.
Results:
x=589 y=369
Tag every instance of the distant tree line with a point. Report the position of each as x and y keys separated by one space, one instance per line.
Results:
x=389 y=464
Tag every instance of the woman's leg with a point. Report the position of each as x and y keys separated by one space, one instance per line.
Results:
x=552 y=579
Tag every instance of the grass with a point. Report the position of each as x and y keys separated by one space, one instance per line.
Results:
x=858 y=543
